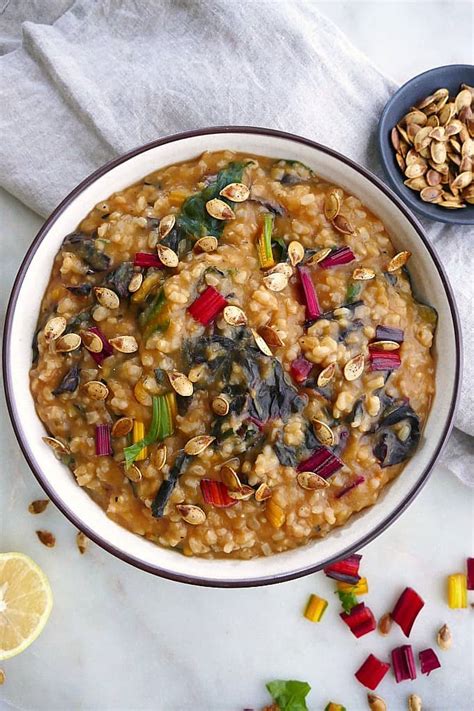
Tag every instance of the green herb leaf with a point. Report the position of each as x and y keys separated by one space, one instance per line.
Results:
x=353 y=291
x=348 y=600
x=289 y=695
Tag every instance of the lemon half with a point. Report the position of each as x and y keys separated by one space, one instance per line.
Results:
x=25 y=603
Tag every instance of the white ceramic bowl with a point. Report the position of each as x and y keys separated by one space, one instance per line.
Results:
x=431 y=286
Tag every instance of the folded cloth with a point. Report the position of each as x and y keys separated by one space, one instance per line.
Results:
x=106 y=76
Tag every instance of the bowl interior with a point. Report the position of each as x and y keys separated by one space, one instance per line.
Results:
x=450 y=77
x=58 y=481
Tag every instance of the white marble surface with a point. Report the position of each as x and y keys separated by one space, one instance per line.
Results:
x=122 y=640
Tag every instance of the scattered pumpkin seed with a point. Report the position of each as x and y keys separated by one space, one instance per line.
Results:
x=219 y=209
x=342 y=224
x=431 y=194
x=197 y=372
x=385 y=624
x=263 y=493
x=275 y=281
x=323 y=433
x=332 y=205
x=414 y=703
x=220 y=405
x=311 y=481
x=54 y=328
x=243 y=494
x=385 y=345
x=81 y=542
x=96 y=390
x=376 y=703
x=295 y=252
x=354 y=367
x=92 y=341
x=135 y=282
x=237 y=192
x=282 y=268
x=69 y=342
x=230 y=478
x=167 y=256
x=47 y=538
x=197 y=445
x=271 y=336
x=433 y=177
x=262 y=345
x=181 y=383
x=38 y=506
x=191 y=514
x=133 y=473
x=398 y=261
x=106 y=297
x=206 y=244
x=124 y=344
x=320 y=255
x=444 y=637
x=363 y=274
x=122 y=427
x=159 y=456
x=326 y=375
x=59 y=448
x=166 y=225
x=234 y=316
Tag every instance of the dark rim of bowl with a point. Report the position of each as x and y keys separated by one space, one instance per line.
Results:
x=22 y=436
x=427 y=210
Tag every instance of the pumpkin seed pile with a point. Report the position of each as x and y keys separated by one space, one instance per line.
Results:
x=434 y=148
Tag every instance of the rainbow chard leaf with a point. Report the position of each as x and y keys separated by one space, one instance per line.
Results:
x=289 y=695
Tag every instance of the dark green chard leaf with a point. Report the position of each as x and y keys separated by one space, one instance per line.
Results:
x=167 y=486
x=119 y=279
x=80 y=290
x=84 y=247
x=69 y=383
x=353 y=291
x=34 y=346
x=289 y=695
x=80 y=320
x=294 y=172
x=155 y=316
x=280 y=247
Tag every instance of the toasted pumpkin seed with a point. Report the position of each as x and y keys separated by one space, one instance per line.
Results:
x=342 y=224
x=38 y=506
x=401 y=162
x=295 y=252
x=69 y=342
x=311 y=481
x=142 y=395
x=431 y=194
x=219 y=209
x=54 y=328
x=106 y=297
x=416 y=183
x=47 y=538
x=220 y=405
x=416 y=117
x=454 y=127
x=262 y=345
x=323 y=433
x=385 y=345
x=81 y=542
x=96 y=390
x=395 y=139
x=444 y=637
x=463 y=100
x=167 y=256
x=433 y=177
x=263 y=493
x=122 y=427
x=398 y=261
x=133 y=473
x=135 y=282
x=243 y=494
x=234 y=316
x=363 y=274
x=332 y=203
x=59 y=448
x=320 y=255
x=237 y=192
x=206 y=244
x=271 y=336
x=191 y=514
x=438 y=134
x=416 y=170
x=230 y=478
x=124 y=344
x=159 y=456
x=197 y=445
x=438 y=152
x=166 y=225
x=462 y=180
x=181 y=383
x=354 y=367
x=197 y=372
x=326 y=375
x=92 y=341
x=275 y=281
x=282 y=268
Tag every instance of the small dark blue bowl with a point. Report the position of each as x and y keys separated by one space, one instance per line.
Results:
x=449 y=77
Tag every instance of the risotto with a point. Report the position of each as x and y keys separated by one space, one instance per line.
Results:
x=229 y=356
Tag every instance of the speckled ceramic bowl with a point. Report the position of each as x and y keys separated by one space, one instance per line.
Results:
x=449 y=77
x=431 y=285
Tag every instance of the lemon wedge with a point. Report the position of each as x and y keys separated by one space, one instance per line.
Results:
x=25 y=603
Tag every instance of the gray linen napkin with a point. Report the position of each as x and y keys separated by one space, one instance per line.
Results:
x=108 y=75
